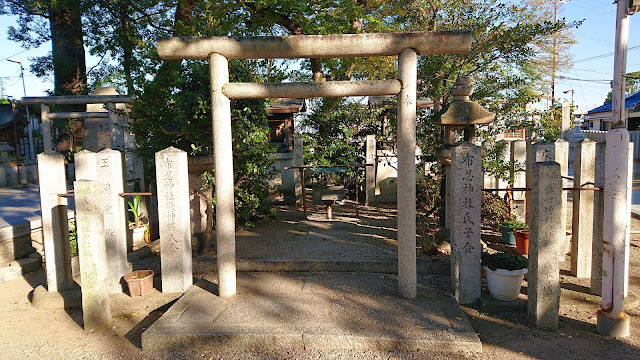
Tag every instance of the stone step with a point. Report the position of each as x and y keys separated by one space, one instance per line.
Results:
x=324 y=311
x=19 y=267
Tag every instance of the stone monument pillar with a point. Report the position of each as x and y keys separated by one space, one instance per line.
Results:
x=175 y=225
x=110 y=166
x=466 y=166
x=94 y=266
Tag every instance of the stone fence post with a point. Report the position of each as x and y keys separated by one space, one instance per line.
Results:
x=598 y=218
x=545 y=232
x=582 y=227
x=55 y=224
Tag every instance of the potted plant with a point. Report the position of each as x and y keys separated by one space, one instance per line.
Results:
x=505 y=272
x=507 y=228
x=137 y=226
x=522 y=239
x=139 y=282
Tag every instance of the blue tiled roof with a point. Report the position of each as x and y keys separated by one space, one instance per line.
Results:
x=630 y=102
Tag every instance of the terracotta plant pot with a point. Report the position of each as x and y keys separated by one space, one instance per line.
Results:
x=522 y=242
x=504 y=284
x=139 y=282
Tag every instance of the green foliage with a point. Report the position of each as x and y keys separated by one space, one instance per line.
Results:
x=506 y=261
x=550 y=124
x=134 y=209
x=180 y=115
x=632 y=86
x=428 y=199
x=73 y=238
x=494 y=211
x=514 y=224
x=338 y=137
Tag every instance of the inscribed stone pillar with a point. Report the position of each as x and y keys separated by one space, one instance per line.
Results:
x=598 y=215
x=175 y=224
x=110 y=167
x=298 y=160
x=55 y=226
x=466 y=166
x=519 y=160
x=545 y=233
x=223 y=162
x=582 y=227
x=406 y=191
x=86 y=165
x=370 y=171
x=90 y=210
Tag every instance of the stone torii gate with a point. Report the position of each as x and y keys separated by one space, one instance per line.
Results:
x=405 y=45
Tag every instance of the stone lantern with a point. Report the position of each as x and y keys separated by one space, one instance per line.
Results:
x=462 y=114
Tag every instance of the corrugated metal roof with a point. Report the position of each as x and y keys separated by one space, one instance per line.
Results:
x=630 y=102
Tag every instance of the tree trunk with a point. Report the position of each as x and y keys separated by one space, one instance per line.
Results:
x=70 y=71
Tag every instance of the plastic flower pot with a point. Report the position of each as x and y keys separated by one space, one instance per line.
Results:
x=504 y=284
x=522 y=242
x=140 y=282
x=507 y=235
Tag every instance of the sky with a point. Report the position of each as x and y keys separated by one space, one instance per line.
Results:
x=589 y=78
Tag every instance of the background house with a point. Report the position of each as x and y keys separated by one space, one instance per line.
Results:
x=600 y=117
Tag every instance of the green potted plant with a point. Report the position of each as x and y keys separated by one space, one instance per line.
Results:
x=138 y=227
x=505 y=272
x=507 y=228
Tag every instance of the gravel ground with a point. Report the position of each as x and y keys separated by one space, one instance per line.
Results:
x=27 y=333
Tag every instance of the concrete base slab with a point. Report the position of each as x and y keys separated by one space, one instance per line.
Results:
x=312 y=310
x=614 y=327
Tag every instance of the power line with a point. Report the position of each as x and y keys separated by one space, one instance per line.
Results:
x=604 y=55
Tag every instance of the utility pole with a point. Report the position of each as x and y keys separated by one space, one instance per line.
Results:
x=32 y=154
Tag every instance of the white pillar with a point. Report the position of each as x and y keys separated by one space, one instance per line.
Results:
x=611 y=318
x=408 y=74
x=223 y=165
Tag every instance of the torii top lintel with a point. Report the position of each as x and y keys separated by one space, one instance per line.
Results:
x=316 y=46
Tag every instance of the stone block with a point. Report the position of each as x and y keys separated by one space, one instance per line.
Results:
x=466 y=188
x=175 y=226
x=545 y=233
x=28 y=264
x=94 y=268
x=15 y=248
